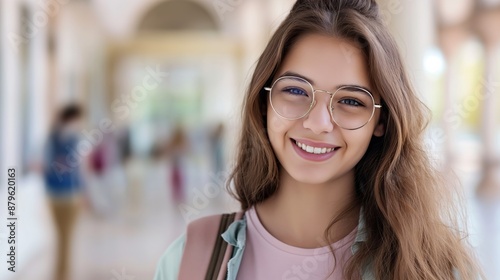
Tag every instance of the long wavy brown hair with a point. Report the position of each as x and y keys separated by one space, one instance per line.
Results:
x=412 y=225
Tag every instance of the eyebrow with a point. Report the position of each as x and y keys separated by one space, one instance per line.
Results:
x=290 y=73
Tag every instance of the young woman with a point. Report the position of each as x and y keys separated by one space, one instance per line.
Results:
x=331 y=173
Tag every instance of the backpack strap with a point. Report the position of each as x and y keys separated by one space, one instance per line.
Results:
x=205 y=253
x=229 y=251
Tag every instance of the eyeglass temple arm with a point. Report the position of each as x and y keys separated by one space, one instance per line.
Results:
x=267 y=88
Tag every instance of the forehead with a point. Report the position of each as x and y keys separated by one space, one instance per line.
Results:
x=327 y=61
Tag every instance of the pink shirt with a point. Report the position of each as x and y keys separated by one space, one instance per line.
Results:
x=265 y=257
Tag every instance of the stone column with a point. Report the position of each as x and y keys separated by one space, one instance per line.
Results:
x=453 y=31
x=412 y=25
x=52 y=78
x=10 y=89
x=450 y=39
x=487 y=23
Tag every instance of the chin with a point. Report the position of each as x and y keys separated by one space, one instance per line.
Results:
x=318 y=176
x=311 y=178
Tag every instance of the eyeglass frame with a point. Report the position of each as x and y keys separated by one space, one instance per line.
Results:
x=332 y=94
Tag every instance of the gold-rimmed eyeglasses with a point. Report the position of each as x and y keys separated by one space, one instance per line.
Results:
x=351 y=107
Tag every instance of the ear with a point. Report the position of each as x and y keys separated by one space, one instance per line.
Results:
x=379 y=129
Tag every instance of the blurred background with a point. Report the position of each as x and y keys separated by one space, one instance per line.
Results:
x=121 y=118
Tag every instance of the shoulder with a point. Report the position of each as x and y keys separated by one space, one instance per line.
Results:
x=197 y=235
x=195 y=247
x=169 y=264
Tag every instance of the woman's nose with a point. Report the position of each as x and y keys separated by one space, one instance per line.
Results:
x=319 y=119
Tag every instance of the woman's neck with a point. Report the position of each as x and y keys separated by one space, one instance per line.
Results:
x=298 y=214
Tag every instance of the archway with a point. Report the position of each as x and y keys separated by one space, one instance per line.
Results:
x=178 y=15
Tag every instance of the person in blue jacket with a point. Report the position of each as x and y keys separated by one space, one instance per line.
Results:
x=63 y=179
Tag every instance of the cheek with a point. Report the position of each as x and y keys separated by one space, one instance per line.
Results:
x=276 y=125
x=359 y=141
x=278 y=132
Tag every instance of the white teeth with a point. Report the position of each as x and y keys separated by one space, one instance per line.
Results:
x=314 y=150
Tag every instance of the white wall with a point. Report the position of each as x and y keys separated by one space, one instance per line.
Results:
x=10 y=103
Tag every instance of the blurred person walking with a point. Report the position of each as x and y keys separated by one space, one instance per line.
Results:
x=175 y=150
x=217 y=149
x=63 y=179
x=106 y=185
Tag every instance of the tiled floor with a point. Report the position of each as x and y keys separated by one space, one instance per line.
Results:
x=129 y=229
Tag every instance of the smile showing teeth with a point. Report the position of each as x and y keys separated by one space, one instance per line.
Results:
x=313 y=150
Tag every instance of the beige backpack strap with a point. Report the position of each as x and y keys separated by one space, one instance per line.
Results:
x=205 y=251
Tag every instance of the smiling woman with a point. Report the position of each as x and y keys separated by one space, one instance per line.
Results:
x=351 y=108
x=331 y=175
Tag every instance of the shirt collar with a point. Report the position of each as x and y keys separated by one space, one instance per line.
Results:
x=361 y=235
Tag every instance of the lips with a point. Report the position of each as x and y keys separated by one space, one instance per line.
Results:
x=314 y=151
x=314 y=147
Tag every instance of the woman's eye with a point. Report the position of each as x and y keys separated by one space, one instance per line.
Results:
x=351 y=102
x=295 y=91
